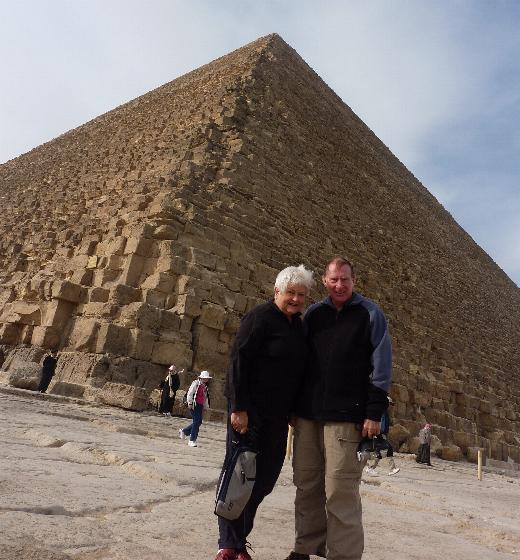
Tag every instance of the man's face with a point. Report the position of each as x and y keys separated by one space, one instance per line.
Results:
x=291 y=301
x=339 y=283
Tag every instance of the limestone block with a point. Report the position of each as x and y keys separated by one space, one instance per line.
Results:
x=132 y=270
x=100 y=310
x=25 y=377
x=212 y=316
x=140 y=246
x=170 y=321
x=46 y=337
x=57 y=312
x=115 y=262
x=98 y=295
x=188 y=305
x=210 y=360
x=172 y=353
x=10 y=333
x=123 y=396
x=165 y=232
x=449 y=453
x=22 y=312
x=141 y=344
x=83 y=335
x=116 y=246
x=240 y=303
x=67 y=389
x=68 y=291
x=160 y=281
x=122 y=294
x=113 y=339
x=206 y=337
x=398 y=434
x=472 y=455
x=464 y=439
x=142 y=316
x=202 y=258
x=155 y=298
x=231 y=323
x=399 y=393
x=92 y=261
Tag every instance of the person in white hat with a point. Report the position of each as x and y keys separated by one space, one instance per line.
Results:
x=198 y=400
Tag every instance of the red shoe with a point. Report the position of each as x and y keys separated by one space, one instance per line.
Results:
x=226 y=554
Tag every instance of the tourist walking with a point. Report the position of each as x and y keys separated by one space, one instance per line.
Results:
x=423 y=452
x=344 y=394
x=198 y=401
x=169 y=388
x=264 y=376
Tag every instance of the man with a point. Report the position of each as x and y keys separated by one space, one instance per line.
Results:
x=343 y=397
x=48 y=368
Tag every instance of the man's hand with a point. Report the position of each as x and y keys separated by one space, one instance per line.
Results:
x=371 y=428
x=239 y=421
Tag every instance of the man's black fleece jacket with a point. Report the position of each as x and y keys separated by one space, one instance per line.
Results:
x=267 y=362
x=349 y=369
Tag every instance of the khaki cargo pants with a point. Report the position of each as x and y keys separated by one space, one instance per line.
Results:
x=327 y=475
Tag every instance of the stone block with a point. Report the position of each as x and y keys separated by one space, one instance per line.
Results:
x=155 y=298
x=213 y=316
x=67 y=389
x=188 y=305
x=10 y=333
x=206 y=337
x=22 y=312
x=472 y=455
x=113 y=339
x=170 y=321
x=57 y=313
x=25 y=376
x=122 y=294
x=142 y=316
x=141 y=344
x=46 y=337
x=123 y=396
x=92 y=261
x=140 y=246
x=450 y=453
x=98 y=295
x=83 y=335
x=68 y=291
x=160 y=281
x=132 y=270
x=172 y=353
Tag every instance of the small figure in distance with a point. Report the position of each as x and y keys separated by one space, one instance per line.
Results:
x=48 y=369
x=169 y=388
x=198 y=401
x=423 y=452
x=385 y=427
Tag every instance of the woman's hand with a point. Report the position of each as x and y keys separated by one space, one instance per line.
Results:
x=239 y=421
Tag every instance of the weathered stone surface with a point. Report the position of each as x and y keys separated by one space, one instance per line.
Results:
x=146 y=234
x=123 y=396
x=450 y=453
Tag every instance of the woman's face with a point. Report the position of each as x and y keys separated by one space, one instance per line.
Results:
x=291 y=301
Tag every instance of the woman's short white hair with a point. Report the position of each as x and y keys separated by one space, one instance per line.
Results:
x=294 y=275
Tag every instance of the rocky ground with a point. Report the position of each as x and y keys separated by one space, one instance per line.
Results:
x=87 y=482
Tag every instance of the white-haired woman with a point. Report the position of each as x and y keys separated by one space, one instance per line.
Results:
x=266 y=367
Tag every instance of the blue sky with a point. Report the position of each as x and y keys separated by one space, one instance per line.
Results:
x=438 y=82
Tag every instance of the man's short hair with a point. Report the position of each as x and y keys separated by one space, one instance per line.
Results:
x=295 y=275
x=339 y=262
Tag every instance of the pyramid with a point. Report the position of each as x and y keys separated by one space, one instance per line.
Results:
x=140 y=239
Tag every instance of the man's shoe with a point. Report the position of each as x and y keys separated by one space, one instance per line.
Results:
x=297 y=556
x=226 y=554
x=394 y=471
x=182 y=435
x=194 y=444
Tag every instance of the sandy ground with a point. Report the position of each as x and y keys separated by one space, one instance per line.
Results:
x=87 y=482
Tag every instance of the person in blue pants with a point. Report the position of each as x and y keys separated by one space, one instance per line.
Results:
x=198 y=400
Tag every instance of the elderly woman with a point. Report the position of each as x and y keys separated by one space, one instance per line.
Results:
x=266 y=366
